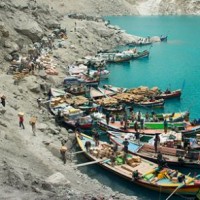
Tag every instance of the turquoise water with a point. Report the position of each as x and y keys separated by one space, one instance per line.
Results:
x=174 y=64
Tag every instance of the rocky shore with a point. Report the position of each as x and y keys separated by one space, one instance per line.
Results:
x=30 y=166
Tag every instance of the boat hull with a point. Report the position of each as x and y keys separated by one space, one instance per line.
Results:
x=190 y=190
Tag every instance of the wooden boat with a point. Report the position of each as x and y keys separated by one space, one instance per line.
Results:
x=103 y=74
x=77 y=89
x=141 y=42
x=115 y=57
x=141 y=54
x=115 y=89
x=163 y=38
x=151 y=103
x=89 y=81
x=160 y=125
x=150 y=176
x=121 y=57
x=96 y=94
x=117 y=126
x=114 y=108
x=169 y=94
x=57 y=92
x=172 y=117
x=77 y=70
x=100 y=93
x=106 y=92
x=171 y=155
x=191 y=131
x=74 y=118
x=170 y=139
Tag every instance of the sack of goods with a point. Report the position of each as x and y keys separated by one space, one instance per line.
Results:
x=33 y=120
x=63 y=149
x=20 y=114
x=3 y=97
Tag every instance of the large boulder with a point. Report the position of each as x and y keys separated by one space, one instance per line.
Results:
x=57 y=179
x=34 y=87
x=28 y=27
x=42 y=127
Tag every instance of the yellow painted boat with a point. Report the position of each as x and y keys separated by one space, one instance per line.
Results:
x=149 y=174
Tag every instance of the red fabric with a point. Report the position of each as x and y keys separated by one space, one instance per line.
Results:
x=21 y=119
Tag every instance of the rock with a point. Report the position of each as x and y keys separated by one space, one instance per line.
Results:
x=43 y=74
x=51 y=79
x=42 y=127
x=28 y=27
x=2 y=5
x=103 y=32
x=5 y=33
x=57 y=179
x=34 y=87
x=52 y=24
x=37 y=190
x=53 y=131
x=47 y=186
x=21 y=5
x=2 y=110
x=8 y=57
x=12 y=46
x=64 y=132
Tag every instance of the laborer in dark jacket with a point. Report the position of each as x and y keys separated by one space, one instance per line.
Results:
x=3 y=101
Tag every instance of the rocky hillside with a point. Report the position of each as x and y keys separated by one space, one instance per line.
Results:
x=127 y=7
x=28 y=168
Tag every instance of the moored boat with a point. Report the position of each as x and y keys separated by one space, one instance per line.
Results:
x=163 y=38
x=148 y=173
x=115 y=89
x=169 y=94
x=142 y=54
x=172 y=156
x=151 y=103
x=119 y=126
x=172 y=117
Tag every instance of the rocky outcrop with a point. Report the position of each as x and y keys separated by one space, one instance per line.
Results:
x=28 y=27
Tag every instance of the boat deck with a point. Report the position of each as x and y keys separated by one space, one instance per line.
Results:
x=118 y=127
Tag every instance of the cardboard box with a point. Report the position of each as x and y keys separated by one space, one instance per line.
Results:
x=174 y=179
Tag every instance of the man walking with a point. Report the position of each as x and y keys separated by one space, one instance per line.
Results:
x=21 y=120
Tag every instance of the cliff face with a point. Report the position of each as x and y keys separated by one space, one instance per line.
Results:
x=128 y=7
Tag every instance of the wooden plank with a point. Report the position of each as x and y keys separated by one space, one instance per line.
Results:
x=92 y=162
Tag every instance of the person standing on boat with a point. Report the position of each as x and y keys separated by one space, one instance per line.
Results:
x=112 y=159
x=136 y=126
x=139 y=116
x=141 y=124
x=107 y=118
x=147 y=116
x=87 y=145
x=156 y=142
x=137 y=137
x=96 y=138
x=165 y=123
x=125 y=143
